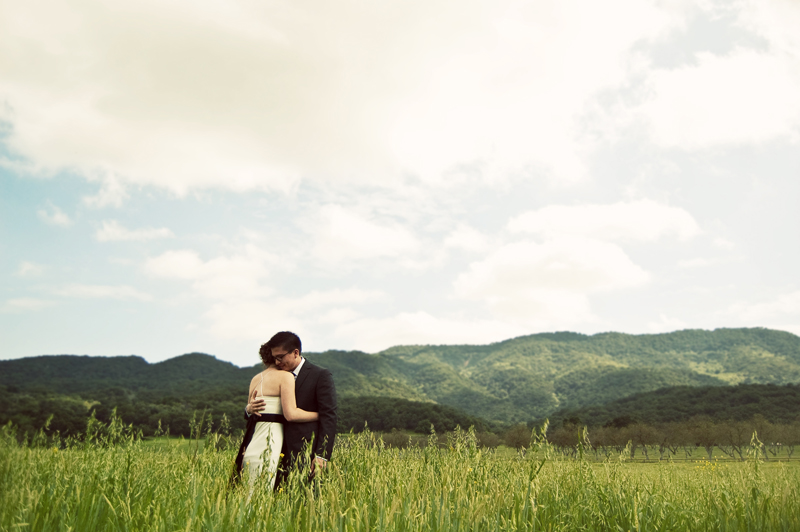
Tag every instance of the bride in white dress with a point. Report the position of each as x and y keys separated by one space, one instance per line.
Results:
x=274 y=389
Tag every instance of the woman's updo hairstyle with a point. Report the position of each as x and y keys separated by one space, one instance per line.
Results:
x=266 y=354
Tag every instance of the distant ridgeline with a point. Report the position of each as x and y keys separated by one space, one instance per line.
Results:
x=515 y=381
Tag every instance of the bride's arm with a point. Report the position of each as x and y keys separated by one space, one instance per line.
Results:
x=289 y=401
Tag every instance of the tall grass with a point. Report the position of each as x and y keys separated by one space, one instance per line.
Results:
x=129 y=485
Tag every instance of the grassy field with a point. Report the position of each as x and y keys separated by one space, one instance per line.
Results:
x=168 y=486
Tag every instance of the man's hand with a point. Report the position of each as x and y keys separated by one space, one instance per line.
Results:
x=317 y=465
x=255 y=405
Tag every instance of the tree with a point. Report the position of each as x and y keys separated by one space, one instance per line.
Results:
x=566 y=438
x=643 y=436
x=734 y=437
x=704 y=433
x=518 y=437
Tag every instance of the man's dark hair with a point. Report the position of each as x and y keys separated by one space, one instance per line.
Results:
x=285 y=340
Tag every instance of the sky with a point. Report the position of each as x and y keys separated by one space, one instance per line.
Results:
x=194 y=176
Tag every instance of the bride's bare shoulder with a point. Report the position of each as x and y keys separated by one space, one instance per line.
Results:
x=257 y=377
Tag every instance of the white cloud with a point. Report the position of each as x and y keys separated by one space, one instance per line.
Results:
x=112 y=231
x=95 y=291
x=467 y=238
x=697 y=262
x=339 y=315
x=643 y=220
x=111 y=194
x=25 y=304
x=181 y=264
x=548 y=284
x=776 y=21
x=723 y=243
x=234 y=300
x=318 y=299
x=415 y=328
x=54 y=216
x=239 y=305
x=222 y=277
x=29 y=269
x=343 y=235
x=744 y=97
x=765 y=312
x=666 y=324
x=245 y=95
x=253 y=318
x=509 y=104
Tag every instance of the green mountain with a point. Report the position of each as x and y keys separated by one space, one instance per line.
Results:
x=532 y=376
x=69 y=374
x=512 y=381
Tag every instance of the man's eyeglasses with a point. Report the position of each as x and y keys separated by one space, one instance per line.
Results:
x=279 y=358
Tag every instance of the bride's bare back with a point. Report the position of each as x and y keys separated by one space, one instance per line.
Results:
x=268 y=382
x=273 y=382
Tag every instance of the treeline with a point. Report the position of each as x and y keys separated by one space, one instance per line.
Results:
x=681 y=439
x=383 y=414
x=29 y=411
x=777 y=404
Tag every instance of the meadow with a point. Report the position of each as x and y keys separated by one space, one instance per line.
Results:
x=125 y=483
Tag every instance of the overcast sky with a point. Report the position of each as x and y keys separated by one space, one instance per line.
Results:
x=194 y=176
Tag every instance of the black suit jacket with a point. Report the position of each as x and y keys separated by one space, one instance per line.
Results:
x=315 y=392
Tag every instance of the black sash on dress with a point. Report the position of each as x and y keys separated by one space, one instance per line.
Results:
x=236 y=474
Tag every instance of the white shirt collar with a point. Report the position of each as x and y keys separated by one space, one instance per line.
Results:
x=296 y=371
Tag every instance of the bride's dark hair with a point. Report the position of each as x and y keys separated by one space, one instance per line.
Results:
x=266 y=354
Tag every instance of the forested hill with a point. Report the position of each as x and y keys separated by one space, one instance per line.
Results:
x=515 y=380
x=69 y=374
x=532 y=376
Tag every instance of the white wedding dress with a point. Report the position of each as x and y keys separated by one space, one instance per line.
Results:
x=264 y=449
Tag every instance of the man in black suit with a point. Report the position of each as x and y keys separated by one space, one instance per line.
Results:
x=315 y=392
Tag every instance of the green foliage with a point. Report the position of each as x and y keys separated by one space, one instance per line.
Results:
x=518 y=437
x=29 y=411
x=600 y=385
x=115 y=432
x=147 y=412
x=777 y=404
x=386 y=413
x=679 y=440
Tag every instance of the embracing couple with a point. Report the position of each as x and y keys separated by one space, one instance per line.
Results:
x=291 y=410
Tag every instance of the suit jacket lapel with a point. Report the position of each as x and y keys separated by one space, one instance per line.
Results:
x=301 y=376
